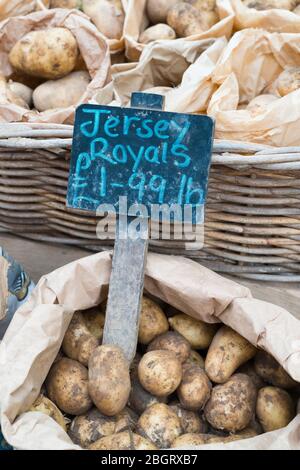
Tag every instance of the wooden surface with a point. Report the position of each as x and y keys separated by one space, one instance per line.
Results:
x=41 y=258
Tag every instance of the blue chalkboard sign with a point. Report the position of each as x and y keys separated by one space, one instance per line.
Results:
x=149 y=156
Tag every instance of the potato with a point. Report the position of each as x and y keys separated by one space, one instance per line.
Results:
x=140 y=399
x=160 y=424
x=269 y=4
x=94 y=319
x=195 y=439
x=125 y=420
x=174 y=342
x=198 y=333
x=79 y=343
x=66 y=91
x=208 y=5
x=123 y=441
x=288 y=81
x=195 y=388
x=8 y=97
x=274 y=408
x=187 y=20
x=153 y=321
x=109 y=380
x=195 y=358
x=44 y=405
x=157 y=10
x=248 y=369
x=47 y=54
x=90 y=427
x=272 y=372
x=260 y=103
x=67 y=387
x=66 y=4
x=160 y=372
x=227 y=352
x=107 y=15
x=158 y=31
x=22 y=91
x=232 y=405
x=190 y=421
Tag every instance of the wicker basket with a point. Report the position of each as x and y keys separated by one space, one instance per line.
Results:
x=252 y=215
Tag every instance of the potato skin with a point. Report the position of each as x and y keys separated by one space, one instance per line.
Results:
x=232 y=405
x=160 y=372
x=94 y=319
x=274 y=408
x=61 y=93
x=153 y=321
x=191 y=422
x=122 y=441
x=196 y=332
x=46 y=406
x=79 y=343
x=109 y=379
x=195 y=388
x=157 y=10
x=227 y=352
x=91 y=426
x=158 y=31
x=47 y=54
x=107 y=15
x=160 y=424
x=67 y=387
x=271 y=371
x=187 y=20
x=174 y=342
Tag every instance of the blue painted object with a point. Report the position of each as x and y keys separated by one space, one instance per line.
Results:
x=150 y=156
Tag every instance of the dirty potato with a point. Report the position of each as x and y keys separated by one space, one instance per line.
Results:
x=61 y=93
x=153 y=321
x=191 y=422
x=91 y=426
x=158 y=31
x=107 y=15
x=271 y=371
x=140 y=399
x=196 y=359
x=160 y=424
x=49 y=54
x=67 y=387
x=109 y=379
x=160 y=372
x=79 y=343
x=275 y=408
x=227 y=352
x=123 y=441
x=195 y=388
x=197 y=333
x=232 y=405
x=174 y=342
x=44 y=405
x=126 y=419
x=187 y=20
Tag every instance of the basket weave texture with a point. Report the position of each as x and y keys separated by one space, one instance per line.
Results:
x=252 y=226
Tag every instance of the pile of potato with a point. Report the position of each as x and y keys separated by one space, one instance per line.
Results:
x=48 y=71
x=191 y=383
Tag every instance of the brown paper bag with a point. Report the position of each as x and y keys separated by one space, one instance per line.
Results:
x=248 y=66
x=92 y=45
x=35 y=335
x=9 y=8
x=182 y=67
x=136 y=22
x=282 y=21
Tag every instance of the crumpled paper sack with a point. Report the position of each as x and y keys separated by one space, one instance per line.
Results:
x=92 y=45
x=248 y=67
x=35 y=335
x=273 y=20
x=10 y=8
x=137 y=21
